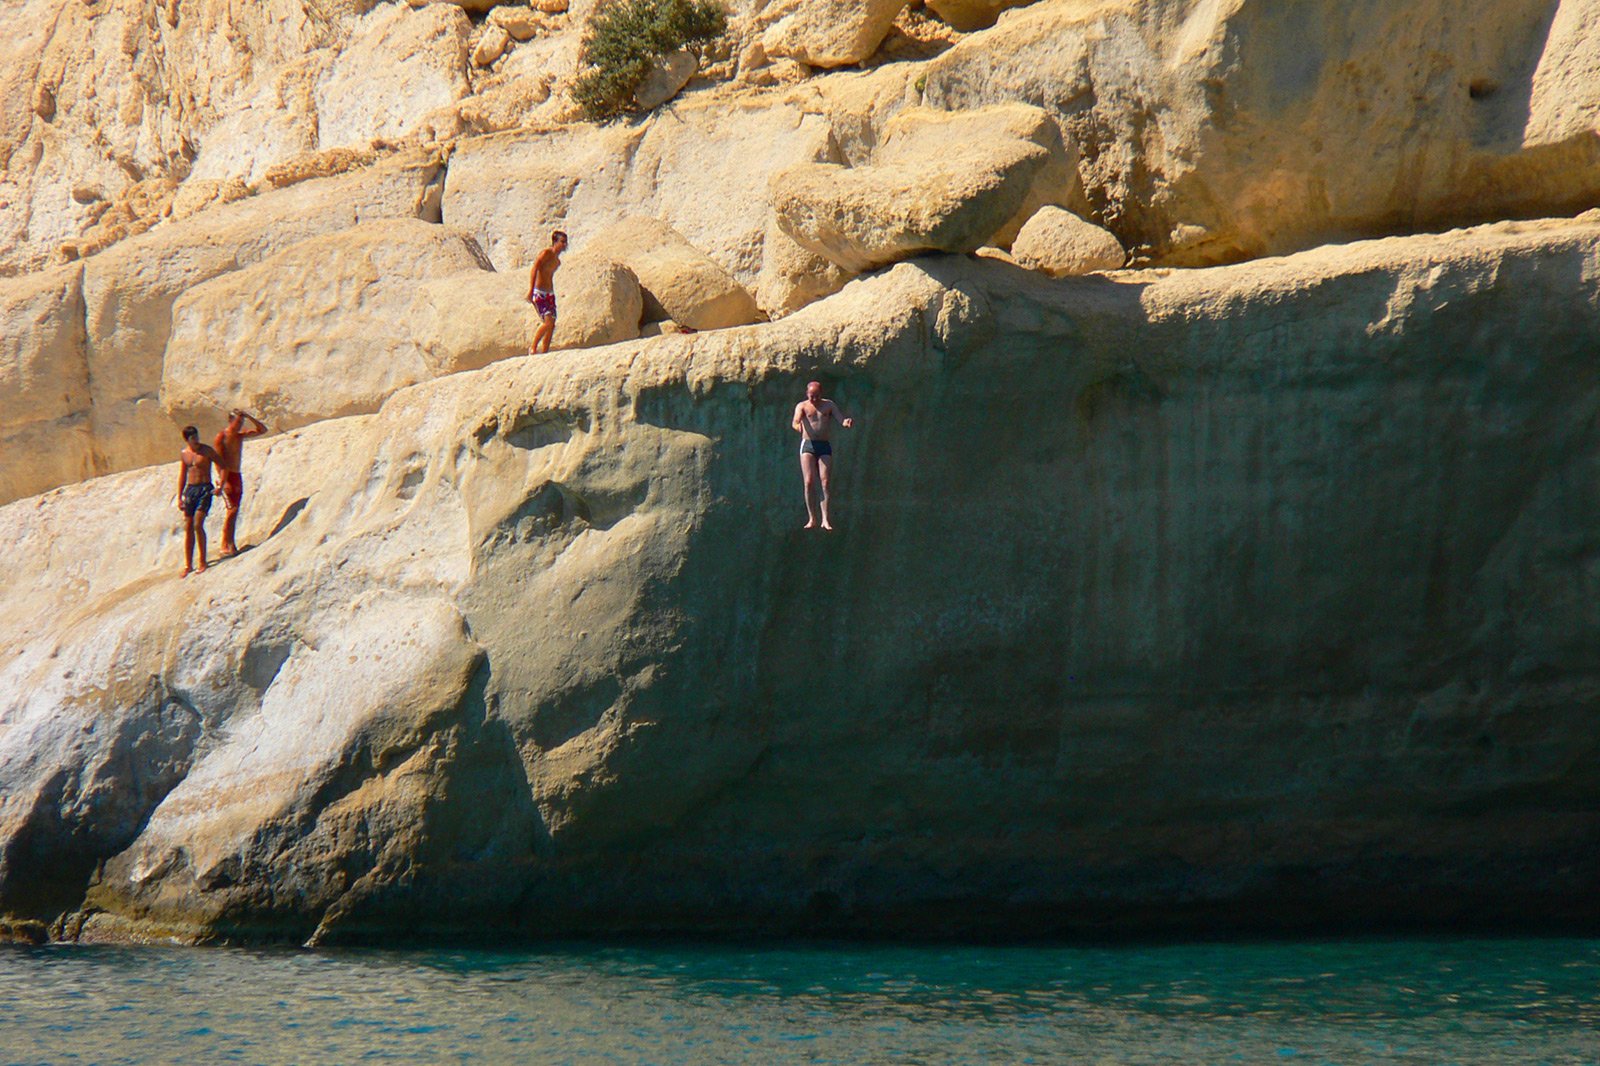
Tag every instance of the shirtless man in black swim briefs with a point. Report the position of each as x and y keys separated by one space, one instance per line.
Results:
x=542 y=291
x=194 y=495
x=814 y=418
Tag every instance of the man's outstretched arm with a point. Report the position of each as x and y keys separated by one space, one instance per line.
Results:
x=260 y=427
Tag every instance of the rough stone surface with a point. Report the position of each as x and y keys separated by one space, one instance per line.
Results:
x=1061 y=244
x=829 y=33
x=1220 y=131
x=679 y=281
x=129 y=289
x=491 y=46
x=1277 y=619
x=44 y=383
x=938 y=182
x=599 y=302
x=324 y=328
x=969 y=15
x=670 y=74
x=401 y=65
x=701 y=167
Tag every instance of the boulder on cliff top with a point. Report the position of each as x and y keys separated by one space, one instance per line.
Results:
x=680 y=281
x=1059 y=243
x=325 y=327
x=1219 y=132
x=938 y=182
x=600 y=302
x=828 y=33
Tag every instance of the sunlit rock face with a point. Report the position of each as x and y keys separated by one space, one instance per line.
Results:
x=1255 y=594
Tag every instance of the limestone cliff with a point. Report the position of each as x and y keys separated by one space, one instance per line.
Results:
x=1260 y=592
x=1219 y=589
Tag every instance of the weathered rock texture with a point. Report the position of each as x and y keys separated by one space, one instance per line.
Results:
x=105 y=340
x=330 y=326
x=680 y=282
x=1219 y=131
x=1282 y=610
x=829 y=33
x=937 y=182
x=1061 y=244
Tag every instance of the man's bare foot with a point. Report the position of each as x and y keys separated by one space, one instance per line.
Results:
x=187 y=571
x=827 y=527
x=809 y=525
x=227 y=553
x=200 y=569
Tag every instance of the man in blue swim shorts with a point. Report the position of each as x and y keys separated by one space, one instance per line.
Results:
x=194 y=495
x=814 y=419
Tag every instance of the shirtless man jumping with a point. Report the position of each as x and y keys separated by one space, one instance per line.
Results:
x=230 y=451
x=194 y=495
x=814 y=418
x=542 y=291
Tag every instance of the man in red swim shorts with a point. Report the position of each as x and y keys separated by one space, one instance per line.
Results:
x=229 y=446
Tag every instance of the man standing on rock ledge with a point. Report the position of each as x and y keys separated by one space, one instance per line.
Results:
x=230 y=451
x=542 y=291
x=194 y=495
x=814 y=417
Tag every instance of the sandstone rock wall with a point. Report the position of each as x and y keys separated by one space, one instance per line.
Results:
x=1220 y=131
x=1279 y=609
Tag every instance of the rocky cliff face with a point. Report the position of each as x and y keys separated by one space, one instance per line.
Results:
x=1256 y=593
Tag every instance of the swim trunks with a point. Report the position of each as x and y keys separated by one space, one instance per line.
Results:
x=819 y=448
x=197 y=498
x=544 y=303
x=232 y=488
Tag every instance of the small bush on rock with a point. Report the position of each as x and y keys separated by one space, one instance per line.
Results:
x=625 y=39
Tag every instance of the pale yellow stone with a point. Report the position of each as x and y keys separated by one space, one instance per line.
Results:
x=1059 y=243
x=680 y=282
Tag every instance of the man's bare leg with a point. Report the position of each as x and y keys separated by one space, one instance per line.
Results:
x=825 y=468
x=229 y=521
x=808 y=475
x=543 y=335
x=198 y=523
x=188 y=544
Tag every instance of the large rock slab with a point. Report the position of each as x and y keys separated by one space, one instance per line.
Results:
x=1219 y=132
x=599 y=302
x=44 y=383
x=938 y=182
x=1282 y=614
x=129 y=289
x=828 y=33
x=700 y=167
x=326 y=327
x=680 y=282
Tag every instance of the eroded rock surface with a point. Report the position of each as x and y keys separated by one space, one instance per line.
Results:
x=1280 y=612
x=938 y=182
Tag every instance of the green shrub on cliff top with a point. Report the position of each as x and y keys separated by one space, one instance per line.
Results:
x=625 y=38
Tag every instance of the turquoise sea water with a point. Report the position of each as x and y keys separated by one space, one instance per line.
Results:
x=1412 y=1001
